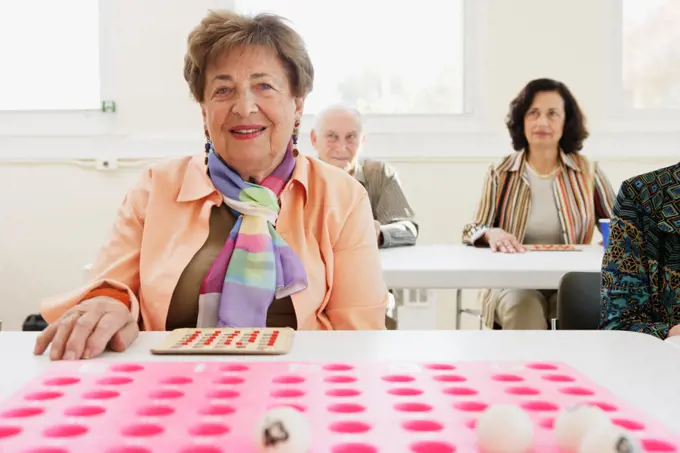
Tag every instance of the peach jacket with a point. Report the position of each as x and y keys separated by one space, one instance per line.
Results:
x=163 y=221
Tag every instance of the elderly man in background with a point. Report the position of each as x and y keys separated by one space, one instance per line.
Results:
x=338 y=137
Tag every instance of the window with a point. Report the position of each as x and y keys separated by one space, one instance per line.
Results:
x=383 y=57
x=651 y=53
x=50 y=55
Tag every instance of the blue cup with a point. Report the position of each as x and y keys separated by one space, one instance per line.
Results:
x=604 y=228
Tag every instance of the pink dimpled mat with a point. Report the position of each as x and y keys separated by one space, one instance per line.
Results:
x=213 y=407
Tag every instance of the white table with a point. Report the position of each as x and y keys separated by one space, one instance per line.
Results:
x=673 y=341
x=460 y=266
x=639 y=368
x=463 y=267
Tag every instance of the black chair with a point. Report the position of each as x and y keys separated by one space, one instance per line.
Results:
x=578 y=301
x=34 y=323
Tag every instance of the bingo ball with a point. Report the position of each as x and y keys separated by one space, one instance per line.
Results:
x=609 y=439
x=572 y=425
x=283 y=430
x=504 y=429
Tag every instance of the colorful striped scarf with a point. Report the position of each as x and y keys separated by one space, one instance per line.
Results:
x=256 y=265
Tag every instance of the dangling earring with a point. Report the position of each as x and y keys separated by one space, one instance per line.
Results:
x=208 y=145
x=296 y=132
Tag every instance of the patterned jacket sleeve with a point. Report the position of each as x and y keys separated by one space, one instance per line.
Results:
x=625 y=293
x=486 y=210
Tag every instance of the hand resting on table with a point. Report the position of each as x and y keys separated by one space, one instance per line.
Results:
x=500 y=240
x=85 y=330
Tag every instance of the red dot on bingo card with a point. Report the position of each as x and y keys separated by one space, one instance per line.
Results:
x=340 y=379
x=558 y=378
x=547 y=423
x=348 y=408
x=208 y=429
x=398 y=378
x=127 y=368
x=507 y=378
x=422 y=426
x=605 y=406
x=430 y=446
x=338 y=367
x=229 y=380
x=155 y=411
x=413 y=407
x=101 y=395
x=9 y=431
x=142 y=430
x=22 y=412
x=449 y=378
x=343 y=392
x=287 y=393
x=177 y=380
x=471 y=406
x=655 y=445
x=577 y=391
x=440 y=367
x=541 y=366
x=66 y=431
x=48 y=450
x=350 y=427
x=223 y=394
x=129 y=449
x=460 y=391
x=115 y=380
x=84 y=411
x=166 y=394
x=354 y=448
x=290 y=379
x=233 y=367
x=539 y=406
x=405 y=391
x=630 y=425
x=43 y=396
x=201 y=449
x=217 y=409
x=522 y=391
x=62 y=381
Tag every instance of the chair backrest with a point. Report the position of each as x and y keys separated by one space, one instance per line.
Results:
x=578 y=301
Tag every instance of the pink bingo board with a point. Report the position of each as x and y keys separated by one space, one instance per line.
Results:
x=213 y=407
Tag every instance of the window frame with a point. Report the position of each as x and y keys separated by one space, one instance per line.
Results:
x=70 y=122
x=625 y=117
x=469 y=120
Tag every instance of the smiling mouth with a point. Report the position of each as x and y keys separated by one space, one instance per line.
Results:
x=247 y=131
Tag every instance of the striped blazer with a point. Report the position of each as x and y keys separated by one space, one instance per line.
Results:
x=582 y=193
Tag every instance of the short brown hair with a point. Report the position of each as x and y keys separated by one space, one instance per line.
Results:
x=222 y=30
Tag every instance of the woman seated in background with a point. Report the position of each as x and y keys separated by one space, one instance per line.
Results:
x=641 y=264
x=250 y=234
x=545 y=193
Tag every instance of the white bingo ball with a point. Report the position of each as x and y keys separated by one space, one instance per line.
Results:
x=504 y=429
x=609 y=439
x=572 y=425
x=283 y=430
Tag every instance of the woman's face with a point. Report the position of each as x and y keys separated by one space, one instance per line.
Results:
x=249 y=110
x=544 y=121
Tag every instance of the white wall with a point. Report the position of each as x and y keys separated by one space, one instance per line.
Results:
x=54 y=215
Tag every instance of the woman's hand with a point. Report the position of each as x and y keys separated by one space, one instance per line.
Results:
x=84 y=331
x=502 y=241
x=675 y=331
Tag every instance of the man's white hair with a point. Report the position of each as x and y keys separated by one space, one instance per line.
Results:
x=339 y=107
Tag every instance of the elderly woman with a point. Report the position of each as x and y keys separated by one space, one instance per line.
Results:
x=640 y=285
x=545 y=193
x=251 y=233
